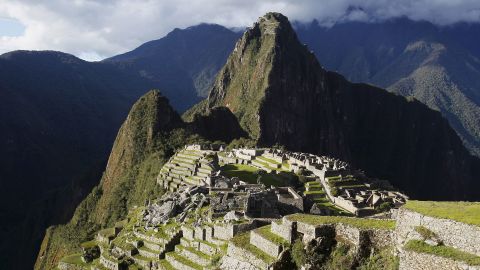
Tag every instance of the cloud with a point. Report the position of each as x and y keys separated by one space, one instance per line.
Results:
x=94 y=29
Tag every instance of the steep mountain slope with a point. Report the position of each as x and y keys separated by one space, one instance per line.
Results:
x=437 y=65
x=183 y=64
x=148 y=137
x=280 y=94
x=58 y=119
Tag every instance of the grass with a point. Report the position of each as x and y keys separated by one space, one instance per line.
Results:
x=314 y=192
x=269 y=160
x=166 y=265
x=185 y=261
x=361 y=223
x=424 y=232
x=196 y=252
x=89 y=244
x=466 y=212
x=266 y=232
x=249 y=174
x=243 y=241
x=74 y=259
x=443 y=251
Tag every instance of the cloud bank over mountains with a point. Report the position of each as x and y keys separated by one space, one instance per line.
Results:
x=94 y=29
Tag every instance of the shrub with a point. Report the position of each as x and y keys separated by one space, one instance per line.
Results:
x=424 y=232
x=302 y=179
x=334 y=191
x=340 y=258
x=384 y=207
x=383 y=260
x=299 y=256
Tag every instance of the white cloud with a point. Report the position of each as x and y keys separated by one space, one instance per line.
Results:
x=93 y=29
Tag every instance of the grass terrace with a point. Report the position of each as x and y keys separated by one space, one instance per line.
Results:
x=443 y=251
x=185 y=261
x=249 y=174
x=89 y=244
x=243 y=241
x=74 y=259
x=361 y=223
x=166 y=265
x=466 y=212
x=195 y=251
x=266 y=232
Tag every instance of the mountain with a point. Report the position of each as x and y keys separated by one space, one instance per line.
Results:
x=183 y=64
x=150 y=134
x=273 y=89
x=59 y=115
x=281 y=95
x=439 y=66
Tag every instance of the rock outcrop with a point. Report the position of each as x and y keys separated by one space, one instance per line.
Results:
x=281 y=95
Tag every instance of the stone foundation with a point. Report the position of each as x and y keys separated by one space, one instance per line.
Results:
x=410 y=260
x=452 y=233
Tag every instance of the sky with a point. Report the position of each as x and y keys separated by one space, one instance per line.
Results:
x=96 y=29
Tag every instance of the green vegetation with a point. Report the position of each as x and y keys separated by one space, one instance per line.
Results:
x=340 y=258
x=250 y=175
x=185 y=261
x=382 y=260
x=443 y=251
x=266 y=232
x=424 y=232
x=195 y=251
x=74 y=259
x=355 y=222
x=89 y=244
x=384 y=207
x=466 y=212
x=243 y=241
x=166 y=265
x=299 y=255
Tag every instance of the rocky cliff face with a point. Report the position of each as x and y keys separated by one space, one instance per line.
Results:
x=279 y=92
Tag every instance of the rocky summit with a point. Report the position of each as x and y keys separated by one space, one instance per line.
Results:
x=284 y=166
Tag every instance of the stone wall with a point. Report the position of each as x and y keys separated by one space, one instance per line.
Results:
x=452 y=233
x=410 y=260
x=380 y=239
x=243 y=255
x=264 y=244
x=283 y=230
x=188 y=233
x=227 y=231
x=349 y=233
x=311 y=232
x=231 y=263
x=224 y=232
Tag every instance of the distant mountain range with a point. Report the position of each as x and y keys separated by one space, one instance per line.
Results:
x=59 y=114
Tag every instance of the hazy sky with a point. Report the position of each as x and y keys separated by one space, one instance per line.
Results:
x=94 y=29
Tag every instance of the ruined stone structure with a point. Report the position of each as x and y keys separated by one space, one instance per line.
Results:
x=207 y=215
